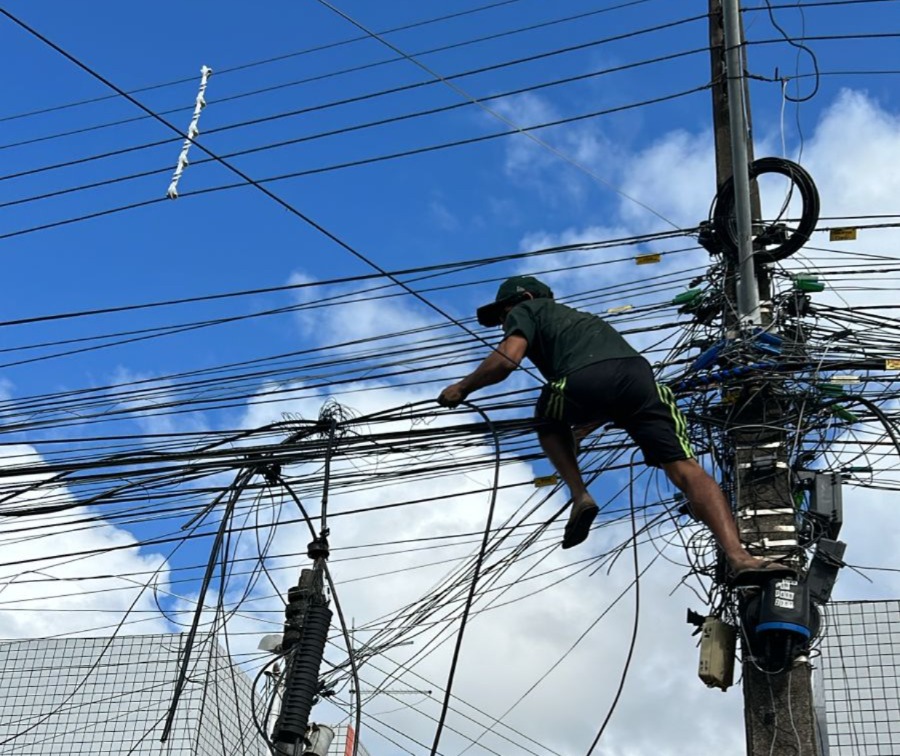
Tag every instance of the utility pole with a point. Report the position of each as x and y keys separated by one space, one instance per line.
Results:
x=778 y=709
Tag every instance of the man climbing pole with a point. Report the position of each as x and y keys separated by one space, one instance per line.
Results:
x=595 y=377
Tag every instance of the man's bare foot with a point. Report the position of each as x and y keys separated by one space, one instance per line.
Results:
x=748 y=570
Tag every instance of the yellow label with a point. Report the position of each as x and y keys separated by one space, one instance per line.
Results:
x=648 y=259
x=842 y=234
x=546 y=480
x=892 y=364
x=620 y=308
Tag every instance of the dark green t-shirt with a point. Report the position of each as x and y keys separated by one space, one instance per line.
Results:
x=562 y=340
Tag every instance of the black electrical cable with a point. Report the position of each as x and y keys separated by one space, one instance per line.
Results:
x=259 y=183
x=329 y=132
x=803 y=48
x=493 y=113
x=723 y=215
x=827 y=38
x=889 y=427
x=145 y=334
x=319 y=48
x=223 y=71
x=351 y=655
x=351 y=100
x=460 y=265
x=637 y=614
x=237 y=488
x=246 y=179
x=476 y=572
x=253 y=688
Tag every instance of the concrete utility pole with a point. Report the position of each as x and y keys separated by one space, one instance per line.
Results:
x=778 y=710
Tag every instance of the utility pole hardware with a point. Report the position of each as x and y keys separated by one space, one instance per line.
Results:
x=308 y=619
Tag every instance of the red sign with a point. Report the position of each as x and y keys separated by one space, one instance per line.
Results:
x=351 y=736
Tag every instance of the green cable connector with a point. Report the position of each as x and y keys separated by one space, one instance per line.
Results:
x=844 y=414
x=831 y=389
x=691 y=296
x=808 y=283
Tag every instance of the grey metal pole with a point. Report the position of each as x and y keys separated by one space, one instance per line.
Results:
x=748 y=288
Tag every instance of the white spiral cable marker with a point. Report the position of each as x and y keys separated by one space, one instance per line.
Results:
x=193 y=132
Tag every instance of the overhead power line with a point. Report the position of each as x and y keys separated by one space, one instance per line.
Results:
x=245 y=178
x=265 y=61
x=321 y=134
x=360 y=162
x=355 y=69
x=369 y=95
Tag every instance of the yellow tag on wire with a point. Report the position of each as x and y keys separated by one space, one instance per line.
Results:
x=546 y=480
x=648 y=259
x=842 y=234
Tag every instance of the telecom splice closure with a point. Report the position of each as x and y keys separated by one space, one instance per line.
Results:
x=193 y=132
x=308 y=620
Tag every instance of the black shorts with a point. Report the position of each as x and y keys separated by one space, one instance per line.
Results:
x=623 y=392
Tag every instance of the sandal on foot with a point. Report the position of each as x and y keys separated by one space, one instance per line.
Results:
x=580 y=519
x=761 y=575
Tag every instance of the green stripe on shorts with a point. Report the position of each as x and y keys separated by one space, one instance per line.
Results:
x=681 y=430
x=557 y=400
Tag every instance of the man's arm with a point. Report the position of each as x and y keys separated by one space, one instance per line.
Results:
x=496 y=367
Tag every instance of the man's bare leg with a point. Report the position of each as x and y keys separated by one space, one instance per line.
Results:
x=708 y=503
x=585 y=429
x=558 y=444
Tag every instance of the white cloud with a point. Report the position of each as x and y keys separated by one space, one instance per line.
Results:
x=443 y=216
x=41 y=590
x=366 y=311
x=152 y=404
x=6 y=389
x=675 y=176
x=557 y=180
x=850 y=153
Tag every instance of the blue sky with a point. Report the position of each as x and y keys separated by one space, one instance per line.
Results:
x=454 y=204
x=495 y=197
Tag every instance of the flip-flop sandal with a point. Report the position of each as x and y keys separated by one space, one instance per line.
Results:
x=579 y=525
x=760 y=576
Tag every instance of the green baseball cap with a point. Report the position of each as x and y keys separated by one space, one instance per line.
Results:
x=512 y=291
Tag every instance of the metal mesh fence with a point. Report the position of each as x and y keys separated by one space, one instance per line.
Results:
x=110 y=696
x=859 y=678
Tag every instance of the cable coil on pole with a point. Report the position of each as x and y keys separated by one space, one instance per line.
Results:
x=786 y=241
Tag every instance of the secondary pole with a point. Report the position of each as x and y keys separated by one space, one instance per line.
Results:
x=748 y=290
x=778 y=711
